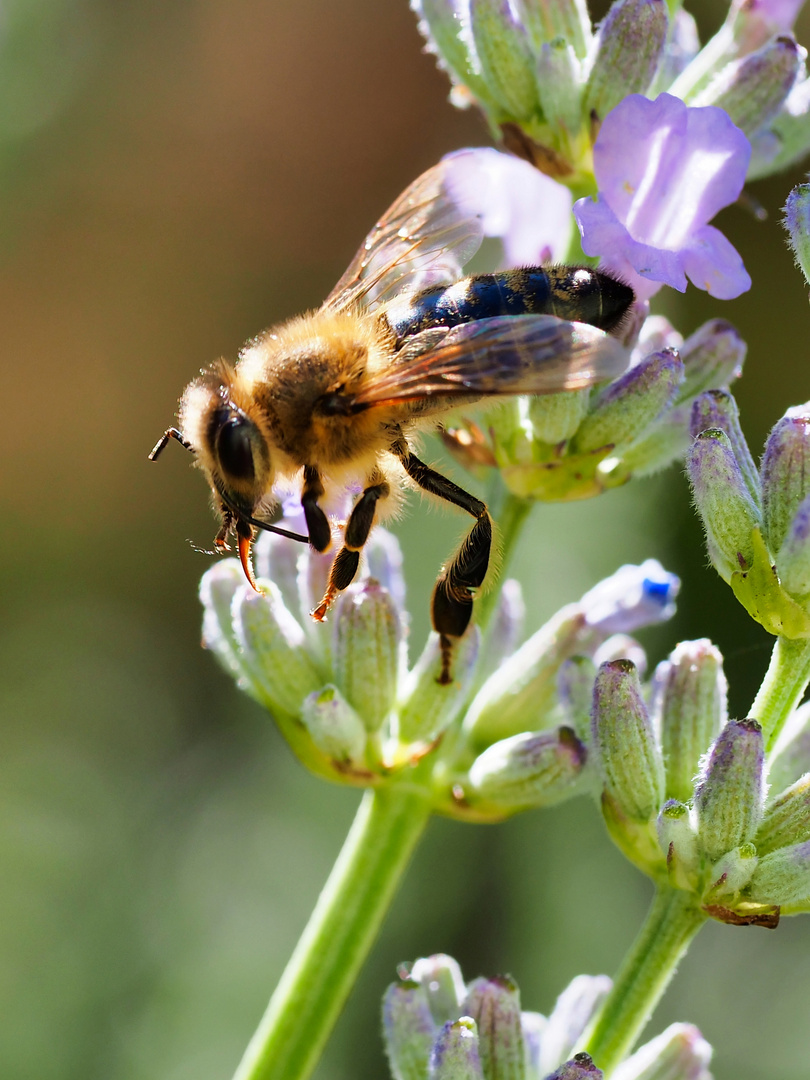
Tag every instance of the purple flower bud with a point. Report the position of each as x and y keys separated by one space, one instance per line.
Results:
x=690 y=707
x=786 y=819
x=505 y=58
x=627 y=756
x=729 y=794
x=441 y=980
x=783 y=876
x=785 y=474
x=631 y=403
x=797 y=223
x=724 y=502
x=718 y=409
x=633 y=597
x=752 y=89
x=793 y=560
x=494 y=1005
x=580 y=1067
x=664 y=170
x=409 y=1030
x=525 y=771
x=574 y=1010
x=455 y=1054
x=679 y=1053
x=712 y=357
x=630 y=45
x=367 y=637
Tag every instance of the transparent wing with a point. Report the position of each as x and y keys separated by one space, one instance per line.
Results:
x=424 y=238
x=513 y=354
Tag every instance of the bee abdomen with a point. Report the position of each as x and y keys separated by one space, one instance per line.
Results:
x=574 y=293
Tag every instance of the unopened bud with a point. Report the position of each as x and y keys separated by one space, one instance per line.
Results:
x=790 y=759
x=631 y=598
x=785 y=474
x=793 y=559
x=732 y=872
x=575 y=689
x=455 y=1054
x=428 y=706
x=622 y=647
x=724 y=502
x=442 y=983
x=366 y=650
x=559 y=89
x=631 y=41
x=573 y=1013
x=449 y=39
x=526 y=770
x=626 y=752
x=729 y=796
x=334 y=726
x=409 y=1030
x=494 y=1005
x=718 y=409
x=632 y=402
x=783 y=876
x=505 y=629
x=678 y=843
x=217 y=590
x=797 y=223
x=546 y=20
x=786 y=819
x=712 y=357
x=505 y=58
x=690 y=705
x=580 y=1067
x=557 y=417
x=679 y=1053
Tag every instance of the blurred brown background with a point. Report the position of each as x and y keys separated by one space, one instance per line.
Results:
x=174 y=177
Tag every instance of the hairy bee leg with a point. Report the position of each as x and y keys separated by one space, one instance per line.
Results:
x=347 y=559
x=320 y=535
x=452 y=604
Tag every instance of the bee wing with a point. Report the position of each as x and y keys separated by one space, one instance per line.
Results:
x=423 y=239
x=512 y=354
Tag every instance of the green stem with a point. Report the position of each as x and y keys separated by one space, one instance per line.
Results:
x=510 y=512
x=783 y=686
x=672 y=922
x=336 y=941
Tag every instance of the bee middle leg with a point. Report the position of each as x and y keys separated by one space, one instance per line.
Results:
x=452 y=604
x=355 y=536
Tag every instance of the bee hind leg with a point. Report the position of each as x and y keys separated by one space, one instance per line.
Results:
x=452 y=604
x=355 y=536
x=320 y=535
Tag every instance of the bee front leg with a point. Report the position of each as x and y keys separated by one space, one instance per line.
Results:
x=357 y=531
x=452 y=604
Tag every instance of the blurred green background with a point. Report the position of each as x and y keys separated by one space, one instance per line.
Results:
x=174 y=177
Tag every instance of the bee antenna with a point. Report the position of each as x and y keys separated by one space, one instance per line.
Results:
x=275 y=529
x=160 y=445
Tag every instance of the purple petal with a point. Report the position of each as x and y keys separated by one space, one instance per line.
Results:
x=713 y=264
x=529 y=212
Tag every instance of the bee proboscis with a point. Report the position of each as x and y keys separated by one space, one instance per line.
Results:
x=331 y=399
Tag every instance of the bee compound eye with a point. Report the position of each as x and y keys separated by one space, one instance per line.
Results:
x=234 y=446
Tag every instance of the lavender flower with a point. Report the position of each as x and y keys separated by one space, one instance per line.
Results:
x=663 y=171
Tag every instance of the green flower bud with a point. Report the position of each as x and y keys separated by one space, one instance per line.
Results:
x=793 y=559
x=631 y=42
x=442 y=983
x=494 y=1005
x=447 y=32
x=580 y=1067
x=690 y=707
x=729 y=796
x=366 y=649
x=783 y=876
x=787 y=818
x=559 y=88
x=790 y=759
x=785 y=474
x=679 y=1053
x=546 y=20
x=575 y=688
x=731 y=873
x=753 y=89
x=797 y=223
x=632 y=402
x=679 y=844
x=455 y=1053
x=427 y=707
x=724 y=503
x=626 y=752
x=662 y=443
x=525 y=771
x=408 y=1030
x=718 y=409
x=712 y=357
x=334 y=726
x=505 y=58
x=274 y=649
x=556 y=417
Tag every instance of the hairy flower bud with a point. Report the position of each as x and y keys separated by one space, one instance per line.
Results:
x=724 y=502
x=626 y=752
x=334 y=726
x=731 y=873
x=409 y=1030
x=573 y=1012
x=630 y=45
x=787 y=818
x=785 y=474
x=690 y=707
x=575 y=690
x=679 y=1053
x=442 y=983
x=783 y=876
x=526 y=770
x=790 y=758
x=718 y=409
x=427 y=707
x=729 y=795
x=797 y=223
x=455 y=1054
x=712 y=357
x=547 y=20
x=366 y=649
x=505 y=58
x=494 y=1005
x=678 y=843
x=580 y=1067
x=793 y=559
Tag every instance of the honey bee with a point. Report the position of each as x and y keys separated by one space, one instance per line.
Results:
x=331 y=400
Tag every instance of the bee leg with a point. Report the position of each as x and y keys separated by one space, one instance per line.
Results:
x=452 y=603
x=357 y=531
x=320 y=535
